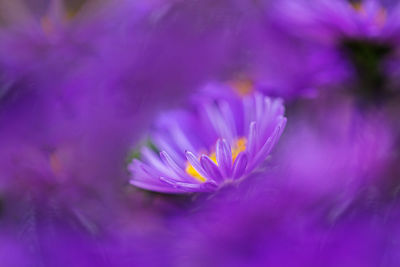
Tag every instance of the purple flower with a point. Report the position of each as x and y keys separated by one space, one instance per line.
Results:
x=222 y=141
x=336 y=42
x=327 y=21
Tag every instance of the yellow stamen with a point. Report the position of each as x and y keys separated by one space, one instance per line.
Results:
x=192 y=172
x=239 y=147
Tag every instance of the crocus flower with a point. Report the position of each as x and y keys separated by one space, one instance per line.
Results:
x=220 y=142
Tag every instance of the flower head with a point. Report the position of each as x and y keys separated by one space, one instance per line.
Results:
x=340 y=42
x=222 y=141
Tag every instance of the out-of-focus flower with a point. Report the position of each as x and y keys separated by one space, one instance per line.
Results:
x=280 y=228
x=339 y=44
x=74 y=97
x=334 y=148
x=322 y=198
x=70 y=84
x=80 y=83
x=222 y=141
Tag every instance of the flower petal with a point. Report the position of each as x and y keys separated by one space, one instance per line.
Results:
x=240 y=165
x=154 y=161
x=224 y=157
x=181 y=186
x=157 y=187
x=180 y=174
x=218 y=122
x=195 y=163
x=211 y=168
x=252 y=139
x=267 y=147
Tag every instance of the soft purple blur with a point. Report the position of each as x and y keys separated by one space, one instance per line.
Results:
x=82 y=82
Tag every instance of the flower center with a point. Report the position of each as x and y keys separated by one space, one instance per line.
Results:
x=243 y=86
x=239 y=146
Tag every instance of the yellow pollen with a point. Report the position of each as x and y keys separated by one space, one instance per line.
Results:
x=239 y=147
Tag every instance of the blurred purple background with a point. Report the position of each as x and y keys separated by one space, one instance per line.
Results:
x=84 y=85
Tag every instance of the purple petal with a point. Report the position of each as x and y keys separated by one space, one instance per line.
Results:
x=282 y=126
x=218 y=122
x=210 y=185
x=211 y=168
x=180 y=174
x=165 y=145
x=249 y=111
x=138 y=166
x=240 y=165
x=267 y=147
x=267 y=105
x=147 y=178
x=196 y=164
x=267 y=116
x=224 y=157
x=154 y=160
x=259 y=106
x=154 y=187
x=252 y=139
x=227 y=113
x=181 y=139
x=278 y=130
x=277 y=107
x=182 y=186
x=168 y=181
